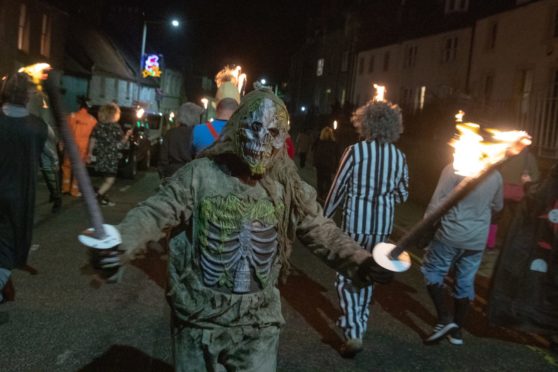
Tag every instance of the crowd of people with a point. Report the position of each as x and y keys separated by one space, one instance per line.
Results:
x=235 y=201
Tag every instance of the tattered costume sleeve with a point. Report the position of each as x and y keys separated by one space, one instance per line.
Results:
x=322 y=236
x=165 y=209
x=340 y=183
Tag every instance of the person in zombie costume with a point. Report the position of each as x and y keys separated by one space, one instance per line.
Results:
x=81 y=124
x=243 y=203
x=372 y=177
x=50 y=164
x=525 y=287
x=22 y=137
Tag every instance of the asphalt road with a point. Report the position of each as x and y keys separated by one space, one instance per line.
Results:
x=64 y=319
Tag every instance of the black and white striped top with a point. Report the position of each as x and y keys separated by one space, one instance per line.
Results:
x=371 y=178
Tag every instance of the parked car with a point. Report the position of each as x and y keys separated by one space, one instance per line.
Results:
x=136 y=155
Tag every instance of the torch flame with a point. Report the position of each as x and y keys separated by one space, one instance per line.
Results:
x=472 y=153
x=335 y=125
x=380 y=92
x=38 y=72
x=459 y=116
x=204 y=102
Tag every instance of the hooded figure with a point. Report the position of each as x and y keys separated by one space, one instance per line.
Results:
x=25 y=135
x=243 y=203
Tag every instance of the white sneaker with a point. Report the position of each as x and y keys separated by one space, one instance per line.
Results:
x=440 y=331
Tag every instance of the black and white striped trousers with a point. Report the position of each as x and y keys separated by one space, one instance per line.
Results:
x=355 y=302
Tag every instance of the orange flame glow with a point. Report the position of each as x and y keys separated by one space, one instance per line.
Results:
x=472 y=153
x=232 y=74
x=380 y=91
x=38 y=72
x=459 y=116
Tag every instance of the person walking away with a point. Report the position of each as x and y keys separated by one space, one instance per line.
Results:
x=303 y=144
x=81 y=124
x=22 y=138
x=105 y=144
x=458 y=244
x=326 y=157
x=207 y=133
x=372 y=177
x=176 y=150
x=38 y=105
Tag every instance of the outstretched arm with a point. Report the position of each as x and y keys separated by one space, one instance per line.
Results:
x=335 y=248
x=340 y=183
x=164 y=209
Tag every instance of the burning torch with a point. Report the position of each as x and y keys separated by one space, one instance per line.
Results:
x=105 y=236
x=473 y=158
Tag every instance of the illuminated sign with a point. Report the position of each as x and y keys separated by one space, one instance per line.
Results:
x=152 y=65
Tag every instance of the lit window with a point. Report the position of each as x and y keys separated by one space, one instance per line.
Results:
x=320 y=67
x=22 y=30
x=45 y=35
x=422 y=97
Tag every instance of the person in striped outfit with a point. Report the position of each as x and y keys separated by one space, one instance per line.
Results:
x=372 y=177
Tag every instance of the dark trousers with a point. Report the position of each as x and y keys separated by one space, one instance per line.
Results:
x=302 y=159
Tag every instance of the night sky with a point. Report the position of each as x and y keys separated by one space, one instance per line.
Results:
x=258 y=35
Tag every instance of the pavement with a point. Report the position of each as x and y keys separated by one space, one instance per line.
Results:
x=64 y=319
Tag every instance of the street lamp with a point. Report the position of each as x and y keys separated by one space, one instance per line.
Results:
x=174 y=23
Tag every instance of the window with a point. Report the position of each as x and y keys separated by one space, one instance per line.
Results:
x=345 y=61
x=361 y=65
x=128 y=89
x=491 y=36
x=102 y=87
x=454 y=6
x=555 y=25
x=488 y=87
x=2 y=19
x=23 y=29
x=422 y=97
x=386 y=61
x=410 y=56
x=371 y=65
x=525 y=89
x=45 y=35
x=320 y=67
x=449 y=51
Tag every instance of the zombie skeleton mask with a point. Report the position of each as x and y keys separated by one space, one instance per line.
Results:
x=261 y=129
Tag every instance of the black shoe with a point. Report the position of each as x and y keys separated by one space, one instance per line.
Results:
x=439 y=332
x=455 y=337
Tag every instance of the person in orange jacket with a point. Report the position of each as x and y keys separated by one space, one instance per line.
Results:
x=81 y=124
